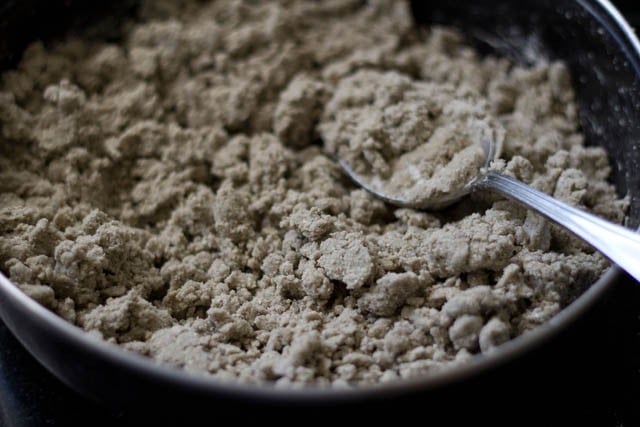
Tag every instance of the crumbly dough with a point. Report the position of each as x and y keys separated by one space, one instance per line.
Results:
x=171 y=193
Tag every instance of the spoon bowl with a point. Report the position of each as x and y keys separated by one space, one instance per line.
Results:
x=491 y=152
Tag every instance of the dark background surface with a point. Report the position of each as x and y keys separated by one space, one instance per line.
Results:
x=589 y=375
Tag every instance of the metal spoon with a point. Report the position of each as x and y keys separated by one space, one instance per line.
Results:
x=619 y=244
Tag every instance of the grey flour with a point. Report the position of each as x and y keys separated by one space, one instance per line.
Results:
x=172 y=193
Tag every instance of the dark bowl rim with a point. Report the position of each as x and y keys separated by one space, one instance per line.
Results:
x=204 y=384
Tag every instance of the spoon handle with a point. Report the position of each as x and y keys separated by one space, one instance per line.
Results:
x=619 y=244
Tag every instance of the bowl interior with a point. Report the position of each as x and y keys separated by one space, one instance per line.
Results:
x=604 y=60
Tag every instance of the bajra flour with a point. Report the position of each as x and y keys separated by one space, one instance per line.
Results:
x=172 y=193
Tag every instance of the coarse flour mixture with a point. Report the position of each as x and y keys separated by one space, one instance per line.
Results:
x=173 y=193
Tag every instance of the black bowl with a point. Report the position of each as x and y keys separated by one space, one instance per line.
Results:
x=604 y=56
